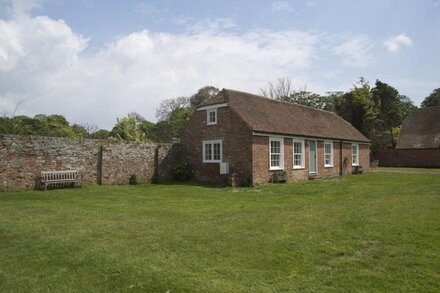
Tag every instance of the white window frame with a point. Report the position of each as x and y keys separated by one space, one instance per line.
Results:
x=355 y=162
x=328 y=142
x=302 y=142
x=281 y=141
x=212 y=142
x=208 y=112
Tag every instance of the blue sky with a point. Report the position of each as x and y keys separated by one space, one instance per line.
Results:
x=94 y=61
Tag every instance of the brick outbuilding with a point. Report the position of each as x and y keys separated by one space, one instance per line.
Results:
x=252 y=139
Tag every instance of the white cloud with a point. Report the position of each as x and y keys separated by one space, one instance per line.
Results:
x=355 y=51
x=282 y=6
x=395 y=43
x=44 y=63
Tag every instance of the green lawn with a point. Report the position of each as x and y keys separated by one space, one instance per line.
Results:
x=408 y=170
x=372 y=232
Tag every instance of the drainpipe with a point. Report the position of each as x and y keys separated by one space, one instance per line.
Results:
x=340 y=158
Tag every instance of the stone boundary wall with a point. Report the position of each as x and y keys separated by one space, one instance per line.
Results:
x=428 y=158
x=22 y=158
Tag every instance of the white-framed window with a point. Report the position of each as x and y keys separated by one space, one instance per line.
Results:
x=328 y=154
x=212 y=151
x=355 y=154
x=298 y=154
x=211 y=116
x=276 y=153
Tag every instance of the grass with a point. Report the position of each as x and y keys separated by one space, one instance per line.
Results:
x=372 y=232
x=409 y=170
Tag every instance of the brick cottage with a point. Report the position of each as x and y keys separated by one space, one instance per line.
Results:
x=253 y=139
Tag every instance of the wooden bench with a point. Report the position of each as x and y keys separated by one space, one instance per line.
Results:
x=60 y=179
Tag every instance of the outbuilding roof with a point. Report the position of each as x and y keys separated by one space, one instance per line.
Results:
x=270 y=116
x=420 y=129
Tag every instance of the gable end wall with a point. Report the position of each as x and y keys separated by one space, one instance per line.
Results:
x=237 y=145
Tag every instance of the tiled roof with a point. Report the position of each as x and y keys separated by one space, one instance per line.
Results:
x=420 y=129
x=271 y=116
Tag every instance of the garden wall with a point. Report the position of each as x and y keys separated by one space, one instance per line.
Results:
x=22 y=158
x=428 y=158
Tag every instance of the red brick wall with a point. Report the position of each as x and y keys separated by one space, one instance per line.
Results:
x=237 y=144
x=261 y=172
x=248 y=155
x=364 y=157
x=428 y=158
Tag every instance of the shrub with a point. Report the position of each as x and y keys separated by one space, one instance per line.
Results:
x=132 y=180
x=183 y=171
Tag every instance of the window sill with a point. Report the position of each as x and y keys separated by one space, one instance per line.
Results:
x=211 y=123
x=298 y=168
x=211 y=162
x=276 y=169
x=354 y=165
x=328 y=166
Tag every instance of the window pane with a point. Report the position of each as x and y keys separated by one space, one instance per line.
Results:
x=328 y=148
x=275 y=147
x=212 y=116
x=355 y=151
x=274 y=160
x=208 y=151
x=217 y=151
x=297 y=153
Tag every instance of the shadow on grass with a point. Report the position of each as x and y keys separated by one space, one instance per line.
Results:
x=192 y=183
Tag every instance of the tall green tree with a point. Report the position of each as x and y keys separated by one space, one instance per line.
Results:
x=432 y=100
x=358 y=107
x=393 y=108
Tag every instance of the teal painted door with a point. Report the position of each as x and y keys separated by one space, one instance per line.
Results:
x=312 y=157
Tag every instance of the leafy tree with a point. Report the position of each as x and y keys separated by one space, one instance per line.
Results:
x=432 y=100
x=5 y=125
x=306 y=98
x=357 y=107
x=22 y=125
x=80 y=131
x=393 y=108
x=169 y=107
x=128 y=128
x=405 y=106
x=202 y=95
x=100 y=134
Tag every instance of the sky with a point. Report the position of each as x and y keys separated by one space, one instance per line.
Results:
x=94 y=61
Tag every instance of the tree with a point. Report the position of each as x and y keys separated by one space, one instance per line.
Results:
x=306 y=98
x=393 y=108
x=278 y=90
x=202 y=95
x=169 y=107
x=80 y=131
x=432 y=100
x=5 y=125
x=128 y=128
x=100 y=134
x=357 y=107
